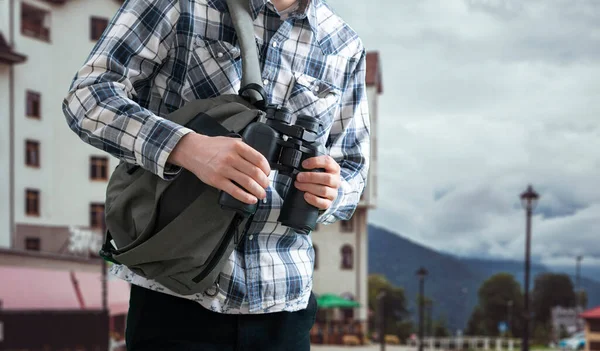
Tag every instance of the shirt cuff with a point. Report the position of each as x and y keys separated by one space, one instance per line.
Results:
x=327 y=216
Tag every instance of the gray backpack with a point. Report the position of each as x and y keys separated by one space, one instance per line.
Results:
x=175 y=232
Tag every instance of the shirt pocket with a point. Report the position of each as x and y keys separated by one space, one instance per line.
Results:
x=314 y=97
x=214 y=68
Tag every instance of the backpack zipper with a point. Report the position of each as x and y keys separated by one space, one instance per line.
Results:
x=221 y=250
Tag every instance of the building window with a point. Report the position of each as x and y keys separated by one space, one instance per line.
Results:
x=347 y=226
x=32 y=153
x=316 y=250
x=96 y=215
x=594 y=326
x=97 y=27
x=32 y=202
x=347 y=257
x=34 y=104
x=98 y=168
x=35 y=22
x=32 y=244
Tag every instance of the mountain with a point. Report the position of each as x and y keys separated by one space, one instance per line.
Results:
x=452 y=282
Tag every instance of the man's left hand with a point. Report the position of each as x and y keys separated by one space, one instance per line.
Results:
x=321 y=188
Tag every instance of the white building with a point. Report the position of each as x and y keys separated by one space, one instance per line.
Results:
x=341 y=248
x=50 y=181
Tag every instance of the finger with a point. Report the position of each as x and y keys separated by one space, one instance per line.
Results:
x=318 y=190
x=252 y=171
x=328 y=179
x=318 y=202
x=237 y=192
x=324 y=161
x=253 y=156
x=246 y=182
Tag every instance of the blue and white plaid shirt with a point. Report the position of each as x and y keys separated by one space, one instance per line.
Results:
x=158 y=54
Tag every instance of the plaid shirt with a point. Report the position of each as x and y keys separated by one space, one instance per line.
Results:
x=158 y=54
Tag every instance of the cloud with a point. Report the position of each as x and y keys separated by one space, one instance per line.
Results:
x=482 y=98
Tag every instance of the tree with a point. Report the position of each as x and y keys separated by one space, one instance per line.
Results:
x=395 y=312
x=500 y=300
x=475 y=324
x=440 y=328
x=551 y=290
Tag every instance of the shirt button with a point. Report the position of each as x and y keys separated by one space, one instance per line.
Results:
x=266 y=81
x=251 y=237
x=274 y=44
x=220 y=54
x=316 y=88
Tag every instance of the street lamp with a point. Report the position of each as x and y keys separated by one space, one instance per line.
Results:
x=577 y=282
x=104 y=267
x=579 y=292
x=429 y=318
x=381 y=312
x=529 y=200
x=509 y=305
x=421 y=273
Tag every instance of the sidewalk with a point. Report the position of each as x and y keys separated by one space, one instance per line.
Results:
x=375 y=347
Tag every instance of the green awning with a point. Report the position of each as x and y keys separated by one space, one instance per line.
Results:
x=335 y=301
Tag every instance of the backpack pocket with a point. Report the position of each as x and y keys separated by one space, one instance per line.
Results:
x=185 y=243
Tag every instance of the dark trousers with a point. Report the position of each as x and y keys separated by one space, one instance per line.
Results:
x=158 y=321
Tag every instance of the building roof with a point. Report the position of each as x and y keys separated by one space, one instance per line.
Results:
x=593 y=313
x=373 y=75
x=47 y=289
x=8 y=55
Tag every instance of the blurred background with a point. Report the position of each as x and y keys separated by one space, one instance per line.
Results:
x=478 y=229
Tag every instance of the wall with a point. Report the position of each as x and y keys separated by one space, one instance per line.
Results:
x=371 y=190
x=63 y=177
x=592 y=335
x=329 y=277
x=4 y=157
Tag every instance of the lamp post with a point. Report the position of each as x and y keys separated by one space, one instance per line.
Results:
x=421 y=273
x=509 y=305
x=578 y=292
x=429 y=318
x=578 y=270
x=381 y=313
x=529 y=200
x=104 y=277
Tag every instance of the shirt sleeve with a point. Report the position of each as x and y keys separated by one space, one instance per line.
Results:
x=349 y=145
x=101 y=105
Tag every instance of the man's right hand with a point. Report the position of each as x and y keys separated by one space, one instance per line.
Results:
x=220 y=161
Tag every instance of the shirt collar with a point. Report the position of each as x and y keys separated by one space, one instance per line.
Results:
x=307 y=9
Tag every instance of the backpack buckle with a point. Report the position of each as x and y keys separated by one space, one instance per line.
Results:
x=217 y=287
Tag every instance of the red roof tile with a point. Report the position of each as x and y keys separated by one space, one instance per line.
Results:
x=373 y=75
x=594 y=313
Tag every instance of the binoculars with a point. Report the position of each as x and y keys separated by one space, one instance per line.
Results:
x=285 y=146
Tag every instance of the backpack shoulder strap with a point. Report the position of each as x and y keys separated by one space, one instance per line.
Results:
x=244 y=28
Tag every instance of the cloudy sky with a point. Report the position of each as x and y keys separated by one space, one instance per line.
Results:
x=481 y=98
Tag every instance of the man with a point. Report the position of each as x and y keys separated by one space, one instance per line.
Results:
x=154 y=57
